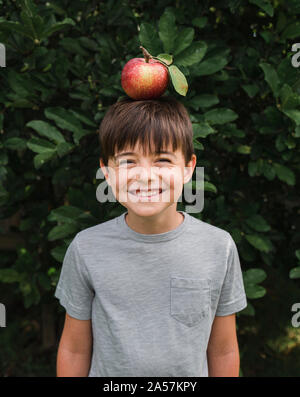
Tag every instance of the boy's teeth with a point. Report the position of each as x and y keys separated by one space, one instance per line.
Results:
x=150 y=193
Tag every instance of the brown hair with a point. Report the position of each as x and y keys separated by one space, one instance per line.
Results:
x=159 y=121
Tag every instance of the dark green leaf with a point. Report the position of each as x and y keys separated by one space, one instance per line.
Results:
x=251 y=89
x=61 y=231
x=47 y=130
x=271 y=77
x=257 y=222
x=83 y=118
x=281 y=21
x=289 y=99
x=66 y=213
x=220 y=116
x=183 y=40
x=202 y=130
x=63 y=119
x=243 y=149
x=40 y=145
x=167 y=31
x=200 y=22
x=210 y=187
x=15 y=143
x=209 y=66
x=292 y=31
x=149 y=39
x=73 y=46
x=42 y=158
x=285 y=174
x=64 y=148
x=254 y=291
x=264 y=5
x=89 y=43
x=191 y=55
x=269 y=171
x=29 y=7
x=198 y=145
x=259 y=242
x=15 y=27
x=252 y=168
x=254 y=276
x=203 y=101
x=295 y=272
x=59 y=252
x=9 y=276
x=293 y=114
x=67 y=22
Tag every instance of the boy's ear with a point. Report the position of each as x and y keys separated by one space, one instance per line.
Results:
x=104 y=169
x=189 y=169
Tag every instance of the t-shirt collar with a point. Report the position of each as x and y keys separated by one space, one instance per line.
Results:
x=158 y=237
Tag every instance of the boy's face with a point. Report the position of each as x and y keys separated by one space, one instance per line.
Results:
x=160 y=176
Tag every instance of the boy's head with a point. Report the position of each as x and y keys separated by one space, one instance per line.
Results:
x=146 y=128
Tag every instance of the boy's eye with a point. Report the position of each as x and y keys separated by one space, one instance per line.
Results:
x=165 y=160
x=124 y=162
x=127 y=161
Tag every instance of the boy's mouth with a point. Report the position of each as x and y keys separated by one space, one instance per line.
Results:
x=146 y=193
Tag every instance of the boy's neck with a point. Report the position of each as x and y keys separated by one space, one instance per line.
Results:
x=161 y=223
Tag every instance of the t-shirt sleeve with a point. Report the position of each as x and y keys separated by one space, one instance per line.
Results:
x=74 y=289
x=232 y=297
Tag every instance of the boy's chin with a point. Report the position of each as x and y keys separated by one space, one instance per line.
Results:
x=146 y=209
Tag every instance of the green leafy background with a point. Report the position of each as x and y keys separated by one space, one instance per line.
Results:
x=63 y=70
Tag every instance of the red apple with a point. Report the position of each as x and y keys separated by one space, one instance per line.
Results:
x=144 y=80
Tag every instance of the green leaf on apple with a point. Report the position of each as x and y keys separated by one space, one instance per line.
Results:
x=178 y=80
x=166 y=58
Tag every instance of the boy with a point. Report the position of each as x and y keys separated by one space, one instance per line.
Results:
x=152 y=292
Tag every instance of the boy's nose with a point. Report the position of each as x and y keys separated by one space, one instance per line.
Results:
x=145 y=174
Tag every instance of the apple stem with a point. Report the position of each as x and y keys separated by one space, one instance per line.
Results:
x=146 y=54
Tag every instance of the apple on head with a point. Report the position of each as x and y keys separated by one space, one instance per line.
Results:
x=144 y=78
x=148 y=77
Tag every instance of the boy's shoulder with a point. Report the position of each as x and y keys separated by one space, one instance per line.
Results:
x=209 y=231
x=101 y=230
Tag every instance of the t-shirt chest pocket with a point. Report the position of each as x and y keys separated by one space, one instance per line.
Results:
x=189 y=300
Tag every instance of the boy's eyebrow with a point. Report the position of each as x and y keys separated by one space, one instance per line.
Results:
x=135 y=154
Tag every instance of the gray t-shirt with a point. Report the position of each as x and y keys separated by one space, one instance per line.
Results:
x=152 y=298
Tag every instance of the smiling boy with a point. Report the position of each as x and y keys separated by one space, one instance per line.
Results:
x=154 y=291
